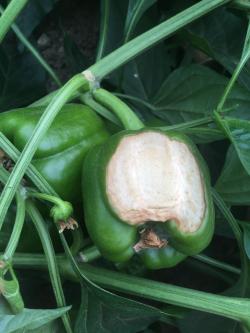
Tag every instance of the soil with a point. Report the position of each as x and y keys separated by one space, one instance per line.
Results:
x=80 y=21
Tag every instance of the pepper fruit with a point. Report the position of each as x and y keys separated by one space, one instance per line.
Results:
x=146 y=191
x=59 y=156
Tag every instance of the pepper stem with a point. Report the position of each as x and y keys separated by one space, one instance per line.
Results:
x=127 y=117
x=149 y=239
x=10 y=288
x=61 y=211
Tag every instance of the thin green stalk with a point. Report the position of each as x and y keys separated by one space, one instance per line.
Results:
x=39 y=181
x=188 y=124
x=44 y=101
x=239 y=238
x=141 y=43
x=89 y=254
x=18 y=226
x=216 y=263
x=100 y=109
x=33 y=50
x=138 y=100
x=35 y=176
x=241 y=4
x=9 y=16
x=44 y=196
x=244 y=58
x=77 y=82
x=19 y=219
x=46 y=243
x=92 y=253
x=131 y=23
x=230 y=307
x=105 y=6
x=61 y=210
x=10 y=289
x=127 y=117
x=206 y=132
x=50 y=259
x=231 y=83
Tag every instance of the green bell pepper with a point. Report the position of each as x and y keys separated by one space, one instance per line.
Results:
x=147 y=192
x=113 y=218
x=60 y=154
x=59 y=157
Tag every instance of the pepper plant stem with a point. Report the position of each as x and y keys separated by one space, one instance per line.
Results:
x=216 y=263
x=230 y=307
x=127 y=117
x=244 y=58
x=239 y=238
x=92 y=253
x=19 y=219
x=51 y=262
x=9 y=16
x=39 y=181
x=100 y=109
x=141 y=43
x=31 y=172
x=47 y=197
x=18 y=226
x=34 y=52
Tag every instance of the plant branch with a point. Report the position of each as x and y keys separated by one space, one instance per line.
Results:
x=9 y=15
x=141 y=43
x=244 y=58
x=123 y=112
x=239 y=238
x=230 y=307
x=50 y=260
x=19 y=219
x=33 y=51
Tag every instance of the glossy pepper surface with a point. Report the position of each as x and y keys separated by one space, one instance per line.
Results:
x=59 y=156
x=147 y=192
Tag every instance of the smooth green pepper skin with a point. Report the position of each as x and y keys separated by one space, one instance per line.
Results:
x=115 y=238
x=161 y=258
x=59 y=157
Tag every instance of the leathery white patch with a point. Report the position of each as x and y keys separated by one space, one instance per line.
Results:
x=152 y=177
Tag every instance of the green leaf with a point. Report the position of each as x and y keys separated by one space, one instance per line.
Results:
x=221 y=35
x=204 y=134
x=246 y=235
x=28 y=319
x=22 y=79
x=74 y=57
x=136 y=9
x=238 y=132
x=144 y=75
x=113 y=16
x=104 y=312
x=234 y=182
x=33 y=13
x=196 y=322
x=193 y=92
x=51 y=327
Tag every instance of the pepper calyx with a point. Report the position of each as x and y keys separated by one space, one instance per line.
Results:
x=149 y=239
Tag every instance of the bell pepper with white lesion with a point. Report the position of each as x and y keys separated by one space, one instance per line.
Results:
x=147 y=191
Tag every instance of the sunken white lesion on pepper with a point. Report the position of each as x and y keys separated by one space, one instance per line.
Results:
x=156 y=178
